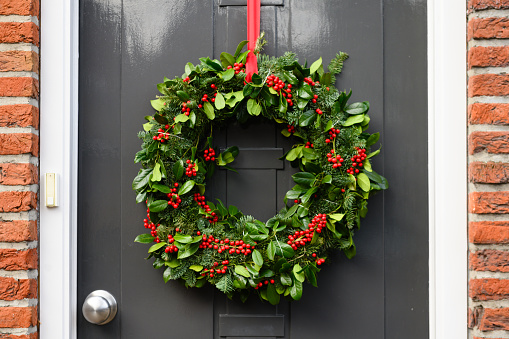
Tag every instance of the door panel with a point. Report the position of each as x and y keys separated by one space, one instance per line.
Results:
x=127 y=46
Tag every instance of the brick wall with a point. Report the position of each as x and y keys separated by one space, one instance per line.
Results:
x=19 y=174
x=488 y=147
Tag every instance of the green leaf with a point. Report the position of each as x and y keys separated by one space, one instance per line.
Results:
x=298 y=273
x=256 y=79
x=173 y=263
x=283 y=105
x=272 y=295
x=302 y=103
x=310 y=274
x=367 y=165
x=381 y=181
x=357 y=108
x=183 y=95
x=326 y=79
x=178 y=169
x=373 y=138
x=329 y=125
x=141 y=197
x=196 y=268
x=158 y=263
x=294 y=153
x=286 y=133
x=157 y=246
x=242 y=57
x=162 y=188
x=290 y=78
x=286 y=279
x=147 y=127
x=305 y=92
x=167 y=274
x=253 y=107
x=160 y=119
x=305 y=198
x=315 y=65
x=355 y=119
x=227 y=59
x=188 y=185
x=363 y=182
x=144 y=239
x=234 y=97
x=296 y=290
x=156 y=173
x=304 y=178
x=307 y=118
x=309 y=153
x=284 y=250
x=157 y=104
x=241 y=270
x=212 y=64
x=228 y=74
x=141 y=180
x=209 y=110
x=239 y=48
x=257 y=258
x=372 y=154
x=219 y=102
x=183 y=238
x=158 y=205
x=350 y=251
x=188 y=251
x=327 y=179
x=271 y=250
x=337 y=216
x=181 y=118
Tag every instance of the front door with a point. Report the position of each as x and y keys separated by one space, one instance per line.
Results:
x=128 y=46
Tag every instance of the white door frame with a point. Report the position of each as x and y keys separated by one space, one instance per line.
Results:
x=447 y=194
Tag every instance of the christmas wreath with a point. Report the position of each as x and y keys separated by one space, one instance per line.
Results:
x=200 y=241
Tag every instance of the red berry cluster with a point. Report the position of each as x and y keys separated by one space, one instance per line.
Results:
x=314 y=98
x=162 y=136
x=300 y=238
x=200 y=200
x=191 y=169
x=209 y=154
x=291 y=128
x=335 y=159
x=214 y=87
x=186 y=79
x=320 y=261
x=276 y=83
x=171 y=248
x=297 y=201
x=310 y=82
x=237 y=67
x=319 y=111
x=333 y=132
x=318 y=222
x=309 y=145
x=186 y=110
x=147 y=223
x=357 y=161
x=216 y=269
x=266 y=282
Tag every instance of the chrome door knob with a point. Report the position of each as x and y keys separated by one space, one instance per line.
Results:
x=100 y=307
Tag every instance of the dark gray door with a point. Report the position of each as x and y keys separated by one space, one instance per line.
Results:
x=127 y=46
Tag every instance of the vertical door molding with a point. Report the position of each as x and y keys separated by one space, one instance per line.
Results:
x=58 y=146
x=447 y=121
x=447 y=205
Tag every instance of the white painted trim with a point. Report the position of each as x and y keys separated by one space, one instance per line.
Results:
x=447 y=193
x=59 y=108
x=447 y=142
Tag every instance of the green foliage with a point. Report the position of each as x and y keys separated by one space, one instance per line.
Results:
x=190 y=236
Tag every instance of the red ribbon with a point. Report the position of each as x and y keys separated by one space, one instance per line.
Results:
x=253 y=32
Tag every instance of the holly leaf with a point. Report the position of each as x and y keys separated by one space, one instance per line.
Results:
x=336 y=216
x=183 y=238
x=257 y=258
x=286 y=279
x=228 y=74
x=188 y=185
x=296 y=290
x=272 y=295
x=315 y=65
x=219 y=102
x=363 y=182
x=357 y=108
x=162 y=188
x=373 y=138
x=181 y=118
x=196 y=268
x=253 y=107
x=188 y=251
x=157 y=104
x=144 y=239
x=141 y=180
x=167 y=274
x=355 y=119
x=304 y=178
x=271 y=250
x=157 y=246
x=241 y=270
x=178 y=169
x=239 y=48
x=284 y=250
x=157 y=206
x=227 y=59
x=307 y=118
x=298 y=273
x=209 y=110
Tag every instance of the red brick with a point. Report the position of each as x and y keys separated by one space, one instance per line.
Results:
x=489 y=260
x=19 y=115
x=488 y=232
x=18 y=317
x=489 y=114
x=488 y=84
x=19 y=61
x=491 y=142
x=19 y=143
x=19 y=7
x=488 y=28
x=19 y=87
x=18 y=230
x=18 y=174
x=486 y=172
x=23 y=336
x=14 y=32
x=14 y=260
x=488 y=289
x=488 y=56
x=14 y=289
x=17 y=201
x=488 y=202
x=473 y=316
x=494 y=319
x=488 y=4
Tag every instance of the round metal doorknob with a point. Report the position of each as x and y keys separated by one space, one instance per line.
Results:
x=100 y=307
